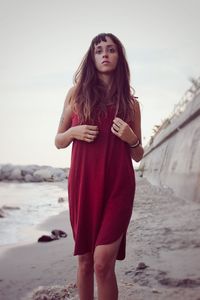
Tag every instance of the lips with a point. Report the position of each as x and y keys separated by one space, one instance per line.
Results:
x=105 y=62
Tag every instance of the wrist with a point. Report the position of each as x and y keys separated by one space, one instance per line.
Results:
x=71 y=133
x=135 y=144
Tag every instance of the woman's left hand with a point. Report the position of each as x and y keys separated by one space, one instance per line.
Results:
x=122 y=130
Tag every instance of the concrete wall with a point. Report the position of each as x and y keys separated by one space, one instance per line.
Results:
x=173 y=159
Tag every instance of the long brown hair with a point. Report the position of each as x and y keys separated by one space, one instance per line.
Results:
x=90 y=95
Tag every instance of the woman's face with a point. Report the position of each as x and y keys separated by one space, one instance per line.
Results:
x=106 y=56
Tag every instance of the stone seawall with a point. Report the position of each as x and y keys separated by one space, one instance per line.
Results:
x=173 y=158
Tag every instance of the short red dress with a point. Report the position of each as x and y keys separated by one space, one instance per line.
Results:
x=101 y=188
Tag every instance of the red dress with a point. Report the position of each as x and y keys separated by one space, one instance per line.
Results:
x=101 y=187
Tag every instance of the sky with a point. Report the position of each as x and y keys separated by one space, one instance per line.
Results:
x=43 y=42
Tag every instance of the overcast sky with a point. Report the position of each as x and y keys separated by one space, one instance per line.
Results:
x=43 y=42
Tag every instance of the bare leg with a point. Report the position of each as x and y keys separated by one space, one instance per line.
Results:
x=104 y=266
x=85 y=277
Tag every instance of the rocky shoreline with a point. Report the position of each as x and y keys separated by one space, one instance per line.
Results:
x=32 y=173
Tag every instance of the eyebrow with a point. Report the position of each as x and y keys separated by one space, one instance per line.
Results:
x=112 y=45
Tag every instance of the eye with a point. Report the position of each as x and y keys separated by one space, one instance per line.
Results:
x=112 y=50
x=98 y=51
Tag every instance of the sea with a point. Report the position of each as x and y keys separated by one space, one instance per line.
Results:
x=26 y=205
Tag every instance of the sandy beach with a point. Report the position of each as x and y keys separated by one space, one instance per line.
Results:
x=162 y=261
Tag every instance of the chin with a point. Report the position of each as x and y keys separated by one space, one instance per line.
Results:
x=106 y=70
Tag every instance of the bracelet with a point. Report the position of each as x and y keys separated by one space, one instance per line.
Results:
x=135 y=145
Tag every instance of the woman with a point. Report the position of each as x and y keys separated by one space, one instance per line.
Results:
x=102 y=119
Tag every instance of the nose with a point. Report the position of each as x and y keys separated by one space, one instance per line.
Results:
x=105 y=54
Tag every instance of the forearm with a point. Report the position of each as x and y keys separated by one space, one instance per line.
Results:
x=63 y=140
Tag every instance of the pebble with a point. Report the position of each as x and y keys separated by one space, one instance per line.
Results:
x=155 y=291
x=141 y=266
x=62 y=199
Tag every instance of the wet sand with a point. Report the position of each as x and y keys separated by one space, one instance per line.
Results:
x=162 y=262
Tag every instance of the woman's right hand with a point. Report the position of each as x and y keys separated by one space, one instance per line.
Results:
x=87 y=133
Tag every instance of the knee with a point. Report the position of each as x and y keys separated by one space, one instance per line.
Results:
x=85 y=265
x=103 y=268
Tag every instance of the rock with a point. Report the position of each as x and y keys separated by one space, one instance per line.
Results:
x=62 y=199
x=45 y=238
x=2 y=215
x=56 y=234
x=29 y=170
x=16 y=174
x=45 y=174
x=28 y=178
x=141 y=266
x=50 y=174
x=6 y=171
x=10 y=207
x=32 y=173
x=59 y=233
x=59 y=174
x=31 y=178
x=1 y=174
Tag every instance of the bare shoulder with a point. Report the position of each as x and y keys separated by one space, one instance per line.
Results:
x=69 y=96
x=137 y=119
x=136 y=106
x=66 y=117
x=136 y=109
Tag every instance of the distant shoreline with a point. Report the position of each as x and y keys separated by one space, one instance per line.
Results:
x=32 y=173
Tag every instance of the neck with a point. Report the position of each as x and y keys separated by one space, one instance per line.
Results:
x=106 y=79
